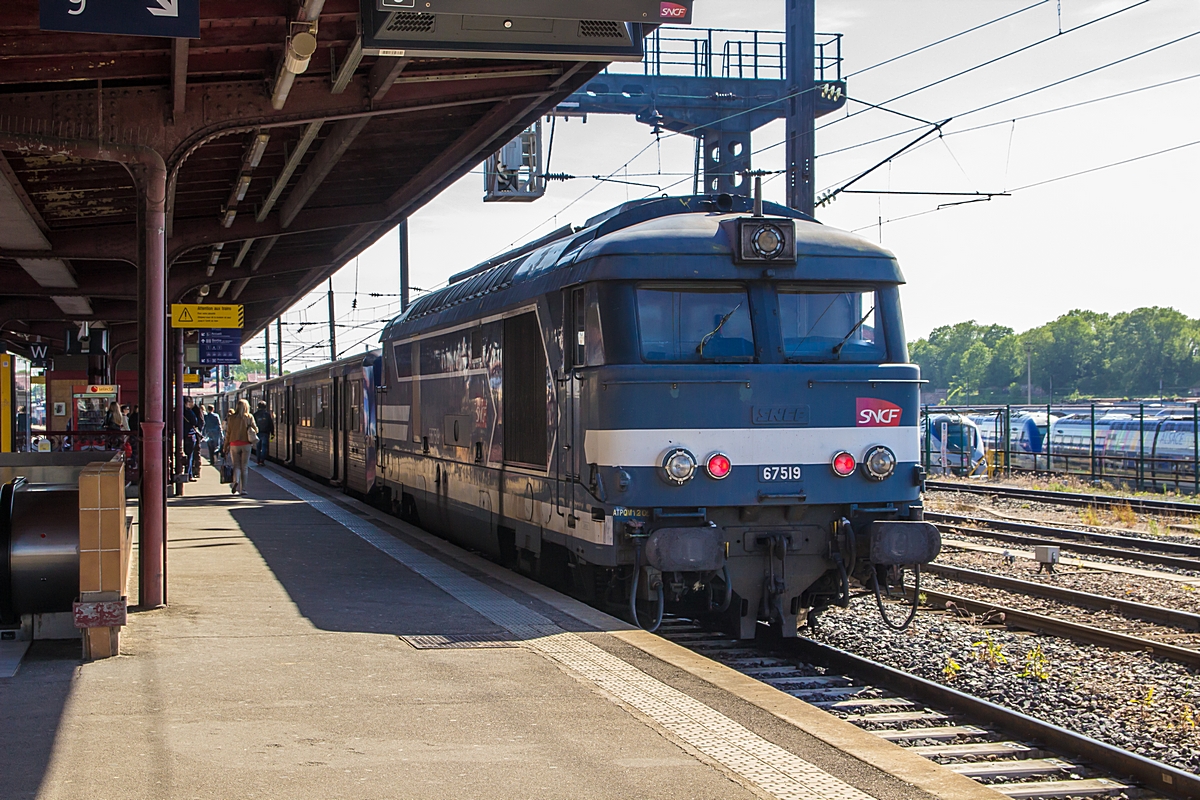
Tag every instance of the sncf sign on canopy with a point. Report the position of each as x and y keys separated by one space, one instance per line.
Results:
x=674 y=12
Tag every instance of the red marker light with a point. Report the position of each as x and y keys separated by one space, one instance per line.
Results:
x=844 y=464
x=718 y=466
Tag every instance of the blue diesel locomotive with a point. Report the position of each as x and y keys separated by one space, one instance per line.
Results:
x=701 y=403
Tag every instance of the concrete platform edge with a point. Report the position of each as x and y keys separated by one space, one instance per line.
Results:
x=911 y=768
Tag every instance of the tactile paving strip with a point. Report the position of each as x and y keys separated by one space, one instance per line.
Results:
x=766 y=765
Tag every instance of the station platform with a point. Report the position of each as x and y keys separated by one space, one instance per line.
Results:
x=314 y=647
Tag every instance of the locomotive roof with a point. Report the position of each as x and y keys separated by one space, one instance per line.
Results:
x=628 y=243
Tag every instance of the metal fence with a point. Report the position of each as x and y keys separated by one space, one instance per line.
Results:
x=1149 y=446
x=728 y=53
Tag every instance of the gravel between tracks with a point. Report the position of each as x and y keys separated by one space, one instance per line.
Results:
x=1130 y=700
x=1163 y=527
x=1106 y=620
x=1140 y=589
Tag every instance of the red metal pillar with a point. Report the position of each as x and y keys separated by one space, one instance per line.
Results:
x=150 y=176
x=150 y=173
x=177 y=417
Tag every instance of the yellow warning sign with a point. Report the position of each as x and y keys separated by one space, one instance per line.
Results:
x=205 y=315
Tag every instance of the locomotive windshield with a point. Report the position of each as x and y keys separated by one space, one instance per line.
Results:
x=829 y=324
x=695 y=324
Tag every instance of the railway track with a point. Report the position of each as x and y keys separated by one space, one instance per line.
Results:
x=1143 y=505
x=1176 y=555
x=1012 y=753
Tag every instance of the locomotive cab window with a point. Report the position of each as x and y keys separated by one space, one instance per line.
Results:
x=830 y=324
x=694 y=323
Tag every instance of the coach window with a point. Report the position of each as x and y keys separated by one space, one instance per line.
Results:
x=695 y=323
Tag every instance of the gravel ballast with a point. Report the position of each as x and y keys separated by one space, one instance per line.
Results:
x=1128 y=699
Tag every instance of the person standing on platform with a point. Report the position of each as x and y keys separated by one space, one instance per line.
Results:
x=134 y=418
x=238 y=428
x=193 y=424
x=115 y=422
x=212 y=433
x=22 y=429
x=266 y=429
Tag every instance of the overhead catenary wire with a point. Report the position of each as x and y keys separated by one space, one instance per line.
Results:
x=995 y=60
x=1044 y=87
x=943 y=40
x=1068 y=176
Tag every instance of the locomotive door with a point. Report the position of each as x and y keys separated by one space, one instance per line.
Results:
x=333 y=415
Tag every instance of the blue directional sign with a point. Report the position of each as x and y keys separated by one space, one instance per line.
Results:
x=220 y=346
x=179 y=19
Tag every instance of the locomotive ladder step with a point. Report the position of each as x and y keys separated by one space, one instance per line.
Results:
x=1080 y=788
x=982 y=749
x=864 y=702
x=899 y=716
x=1027 y=768
x=938 y=732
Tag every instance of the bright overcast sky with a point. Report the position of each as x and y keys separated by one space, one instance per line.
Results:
x=1111 y=240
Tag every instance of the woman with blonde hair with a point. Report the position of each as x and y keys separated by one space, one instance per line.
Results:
x=241 y=431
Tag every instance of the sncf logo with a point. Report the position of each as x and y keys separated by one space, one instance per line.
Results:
x=672 y=11
x=874 y=413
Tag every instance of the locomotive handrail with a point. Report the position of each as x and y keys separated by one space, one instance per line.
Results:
x=672 y=381
x=871 y=381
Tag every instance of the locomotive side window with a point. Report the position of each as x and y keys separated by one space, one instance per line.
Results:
x=829 y=324
x=579 y=335
x=695 y=324
x=402 y=353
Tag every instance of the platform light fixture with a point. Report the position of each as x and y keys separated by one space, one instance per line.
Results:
x=243 y=186
x=257 y=148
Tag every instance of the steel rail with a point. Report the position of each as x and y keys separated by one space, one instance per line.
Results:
x=1175 y=562
x=1142 y=611
x=1140 y=542
x=1143 y=504
x=1152 y=774
x=1039 y=623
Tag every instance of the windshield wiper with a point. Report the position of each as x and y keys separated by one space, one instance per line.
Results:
x=837 y=348
x=716 y=330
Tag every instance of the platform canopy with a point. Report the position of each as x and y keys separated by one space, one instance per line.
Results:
x=277 y=173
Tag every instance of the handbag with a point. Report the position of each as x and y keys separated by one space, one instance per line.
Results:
x=251 y=436
x=226 y=471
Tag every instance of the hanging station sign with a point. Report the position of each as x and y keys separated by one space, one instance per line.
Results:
x=177 y=19
x=193 y=316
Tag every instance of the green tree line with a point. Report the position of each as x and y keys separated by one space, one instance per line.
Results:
x=1147 y=352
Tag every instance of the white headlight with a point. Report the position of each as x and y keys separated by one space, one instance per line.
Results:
x=768 y=241
x=879 y=463
x=679 y=466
